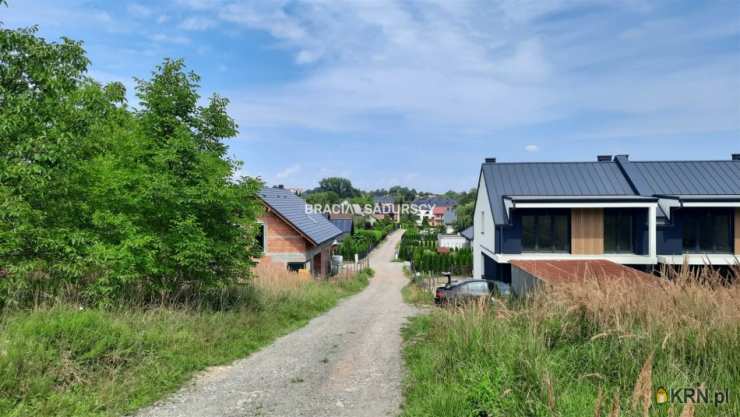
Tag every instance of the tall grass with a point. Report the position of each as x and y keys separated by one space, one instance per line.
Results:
x=598 y=348
x=66 y=359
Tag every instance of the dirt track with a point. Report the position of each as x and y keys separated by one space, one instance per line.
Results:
x=346 y=362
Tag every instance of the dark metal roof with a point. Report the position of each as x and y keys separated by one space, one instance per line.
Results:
x=384 y=199
x=293 y=209
x=551 y=179
x=468 y=233
x=685 y=177
x=345 y=225
x=438 y=201
x=702 y=197
x=578 y=198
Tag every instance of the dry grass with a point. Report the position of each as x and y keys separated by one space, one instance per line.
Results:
x=276 y=279
x=598 y=348
x=682 y=300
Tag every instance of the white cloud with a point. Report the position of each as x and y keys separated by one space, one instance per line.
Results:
x=196 y=23
x=532 y=148
x=199 y=4
x=139 y=10
x=288 y=172
x=476 y=67
x=165 y=38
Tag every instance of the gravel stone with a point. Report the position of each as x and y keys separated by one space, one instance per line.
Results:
x=346 y=362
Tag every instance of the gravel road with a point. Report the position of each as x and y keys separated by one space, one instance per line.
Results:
x=346 y=362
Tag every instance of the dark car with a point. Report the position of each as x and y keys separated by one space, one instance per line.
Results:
x=464 y=291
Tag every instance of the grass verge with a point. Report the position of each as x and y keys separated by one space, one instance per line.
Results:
x=592 y=349
x=413 y=294
x=67 y=361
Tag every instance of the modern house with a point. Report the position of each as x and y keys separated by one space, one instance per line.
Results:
x=635 y=213
x=293 y=237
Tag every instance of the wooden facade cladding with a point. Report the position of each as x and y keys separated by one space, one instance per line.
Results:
x=737 y=231
x=587 y=231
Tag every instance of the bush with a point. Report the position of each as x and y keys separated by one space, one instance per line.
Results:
x=364 y=240
x=420 y=249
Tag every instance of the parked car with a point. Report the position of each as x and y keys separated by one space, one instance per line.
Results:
x=501 y=288
x=464 y=291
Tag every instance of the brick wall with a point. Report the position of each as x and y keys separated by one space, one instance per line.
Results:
x=281 y=237
x=284 y=244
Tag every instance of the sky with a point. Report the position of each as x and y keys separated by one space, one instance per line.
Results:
x=419 y=93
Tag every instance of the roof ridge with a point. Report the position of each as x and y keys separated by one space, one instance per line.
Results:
x=547 y=162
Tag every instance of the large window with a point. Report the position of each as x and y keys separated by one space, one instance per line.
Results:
x=546 y=232
x=707 y=230
x=618 y=231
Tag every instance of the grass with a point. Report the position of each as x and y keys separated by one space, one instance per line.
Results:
x=68 y=361
x=595 y=349
x=413 y=294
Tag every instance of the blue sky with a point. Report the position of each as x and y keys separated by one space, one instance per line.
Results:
x=418 y=93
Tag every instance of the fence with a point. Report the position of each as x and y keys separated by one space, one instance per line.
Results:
x=349 y=269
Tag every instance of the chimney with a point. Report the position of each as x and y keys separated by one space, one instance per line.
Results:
x=490 y=160
x=736 y=157
x=603 y=158
x=623 y=156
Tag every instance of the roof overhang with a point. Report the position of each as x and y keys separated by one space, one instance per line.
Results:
x=668 y=201
x=723 y=200
x=528 y=201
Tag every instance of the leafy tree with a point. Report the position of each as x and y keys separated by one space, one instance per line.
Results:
x=104 y=199
x=402 y=194
x=341 y=186
x=323 y=198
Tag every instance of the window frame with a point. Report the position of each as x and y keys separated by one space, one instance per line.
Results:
x=620 y=214
x=697 y=214
x=289 y=264
x=551 y=214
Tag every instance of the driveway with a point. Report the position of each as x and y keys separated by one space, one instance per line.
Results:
x=346 y=362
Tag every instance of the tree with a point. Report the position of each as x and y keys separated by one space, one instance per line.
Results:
x=341 y=186
x=323 y=198
x=402 y=194
x=101 y=198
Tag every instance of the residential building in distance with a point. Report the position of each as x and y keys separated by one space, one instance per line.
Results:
x=344 y=222
x=293 y=237
x=387 y=206
x=636 y=213
x=433 y=209
x=452 y=241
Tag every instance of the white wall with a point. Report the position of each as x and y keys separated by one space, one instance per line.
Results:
x=452 y=241
x=483 y=228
